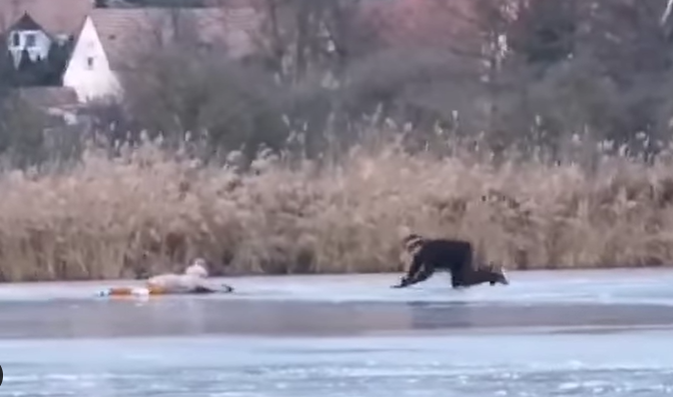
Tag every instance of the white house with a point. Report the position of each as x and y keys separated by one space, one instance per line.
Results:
x=34 y=24
x=89 y=71
x=27 y=35
x=111 y=40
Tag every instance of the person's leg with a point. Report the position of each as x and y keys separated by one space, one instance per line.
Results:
x=461 y=276
x=201 y=289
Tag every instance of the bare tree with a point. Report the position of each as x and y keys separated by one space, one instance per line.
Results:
x=531 y=74
x=191 y=88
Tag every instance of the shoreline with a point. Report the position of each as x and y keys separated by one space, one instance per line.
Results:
x=257 y=276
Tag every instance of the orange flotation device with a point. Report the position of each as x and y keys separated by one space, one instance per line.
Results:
x=154 y=290
x=134 y=291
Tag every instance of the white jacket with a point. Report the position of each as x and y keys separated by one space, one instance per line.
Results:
x=194 y=276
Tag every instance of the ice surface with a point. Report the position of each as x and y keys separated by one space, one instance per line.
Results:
x=596 y=286
x=589 y=333
x=460 y=365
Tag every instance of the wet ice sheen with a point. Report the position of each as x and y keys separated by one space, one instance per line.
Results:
x=459 y=365
x=612 y=286
x=272 y=340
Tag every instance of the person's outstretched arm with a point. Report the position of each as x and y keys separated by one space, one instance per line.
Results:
x=416 y=273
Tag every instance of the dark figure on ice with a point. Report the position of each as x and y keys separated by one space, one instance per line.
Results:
x=455 y=256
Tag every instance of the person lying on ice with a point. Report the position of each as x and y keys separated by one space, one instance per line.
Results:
x=430 y=255
x=194 y=280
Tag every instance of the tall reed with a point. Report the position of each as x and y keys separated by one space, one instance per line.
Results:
x=149 y=211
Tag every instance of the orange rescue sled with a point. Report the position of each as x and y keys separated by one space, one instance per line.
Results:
x=133 y=291
x=156 y=290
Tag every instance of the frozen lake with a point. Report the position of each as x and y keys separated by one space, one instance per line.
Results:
x=546 y=334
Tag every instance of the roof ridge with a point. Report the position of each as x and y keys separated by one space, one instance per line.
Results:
x=53 y=16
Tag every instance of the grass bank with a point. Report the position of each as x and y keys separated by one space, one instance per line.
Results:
x=138 y=214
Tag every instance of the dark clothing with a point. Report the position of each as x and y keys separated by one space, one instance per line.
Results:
x=485 y=275
x=209 y=290
x=454 y=256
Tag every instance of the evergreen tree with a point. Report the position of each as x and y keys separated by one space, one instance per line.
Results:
x=26 y=70
x=7 y=71
x=41 y=72
x=56 y=62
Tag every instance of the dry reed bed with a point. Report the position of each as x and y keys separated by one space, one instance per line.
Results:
x=143 y=213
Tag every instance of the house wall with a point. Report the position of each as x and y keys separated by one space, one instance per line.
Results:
x=17 y=40
x=88 y=70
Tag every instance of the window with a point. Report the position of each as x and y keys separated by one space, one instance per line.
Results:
x=16 y=39
x=30 y=40
x=89 y=62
